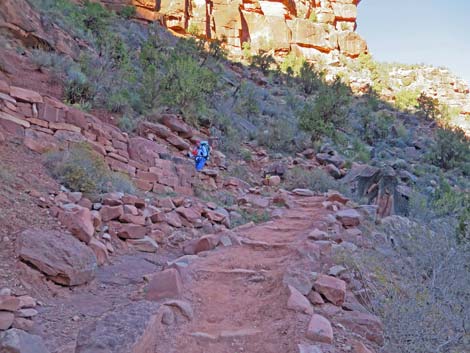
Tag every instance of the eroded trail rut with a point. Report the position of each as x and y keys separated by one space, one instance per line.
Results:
x=239 y=293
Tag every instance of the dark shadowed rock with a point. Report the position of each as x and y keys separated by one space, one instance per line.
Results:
x=18 y=341
x=62 y=257
x=130 y=329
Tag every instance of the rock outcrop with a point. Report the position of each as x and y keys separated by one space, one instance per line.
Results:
x=308 y=28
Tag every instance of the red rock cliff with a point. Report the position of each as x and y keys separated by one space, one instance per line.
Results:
x=307 y=27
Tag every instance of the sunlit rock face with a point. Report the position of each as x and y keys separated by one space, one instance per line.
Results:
x=308 y=28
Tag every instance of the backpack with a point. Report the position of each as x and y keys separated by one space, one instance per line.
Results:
x=204 y=145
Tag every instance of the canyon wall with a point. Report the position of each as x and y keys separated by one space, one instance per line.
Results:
x=308 y=28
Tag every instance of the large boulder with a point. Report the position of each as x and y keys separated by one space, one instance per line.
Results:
x=60 y=256
x=130 y=329
x=18 y=341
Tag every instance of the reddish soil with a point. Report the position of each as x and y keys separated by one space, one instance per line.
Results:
x=21 y=172
x=19 y=70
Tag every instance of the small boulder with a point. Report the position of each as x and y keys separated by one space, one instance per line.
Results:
x=318 y=234
x=131 y=231
x=27 y=302
x=331 y=288
x=26 y=313
x=349 y=218
x=303 y=192
x=337 y=270
x=164 y=285
x=24 y=324
x=320 y=330
x=298 y=302
x=332 y=170
x=18 y=341
x=79 y=221
x=9 y=303
x=6 y=320
x=274 y=180
x=109 y=213
x=315 y=298
x=100 y=250
x=146 y=244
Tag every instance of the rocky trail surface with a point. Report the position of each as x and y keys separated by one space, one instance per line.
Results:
x=247 y=295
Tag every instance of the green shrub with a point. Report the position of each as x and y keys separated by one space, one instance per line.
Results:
x=313 y=16
x=428 y=106
x=82 y=169
x=406 y=99
x=279 y=136
x=246 y=50
x=246 y=155
x=376 y=126
x=248 y=100
x=316 y=180
x=186 y=87
x=292 y=64
x=328 y=113
x=310 y=80
x=128 y=12
x=128 y=123
x=78 y=90
x=263 y=61
x=451 y=149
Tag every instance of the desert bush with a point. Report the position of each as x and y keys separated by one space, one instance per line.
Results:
x=376 y=126
x=428 y=106
x=423 y=289
x=292 y=63
x=278 y=136
x=248 y=100
x=81 y=169
x=127 y=12
x=246 y=51
x=310 y=80
x=406 y=99
x=328 y=112
x=313 y=16
x=78 y=89
x=379 y=72
x=315 y=180
x=263 y=61
x=451 y=149
x=186 y=85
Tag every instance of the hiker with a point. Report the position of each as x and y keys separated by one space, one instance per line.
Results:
x=200 y=154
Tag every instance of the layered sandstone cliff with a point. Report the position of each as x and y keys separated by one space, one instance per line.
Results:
x=305 y=27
